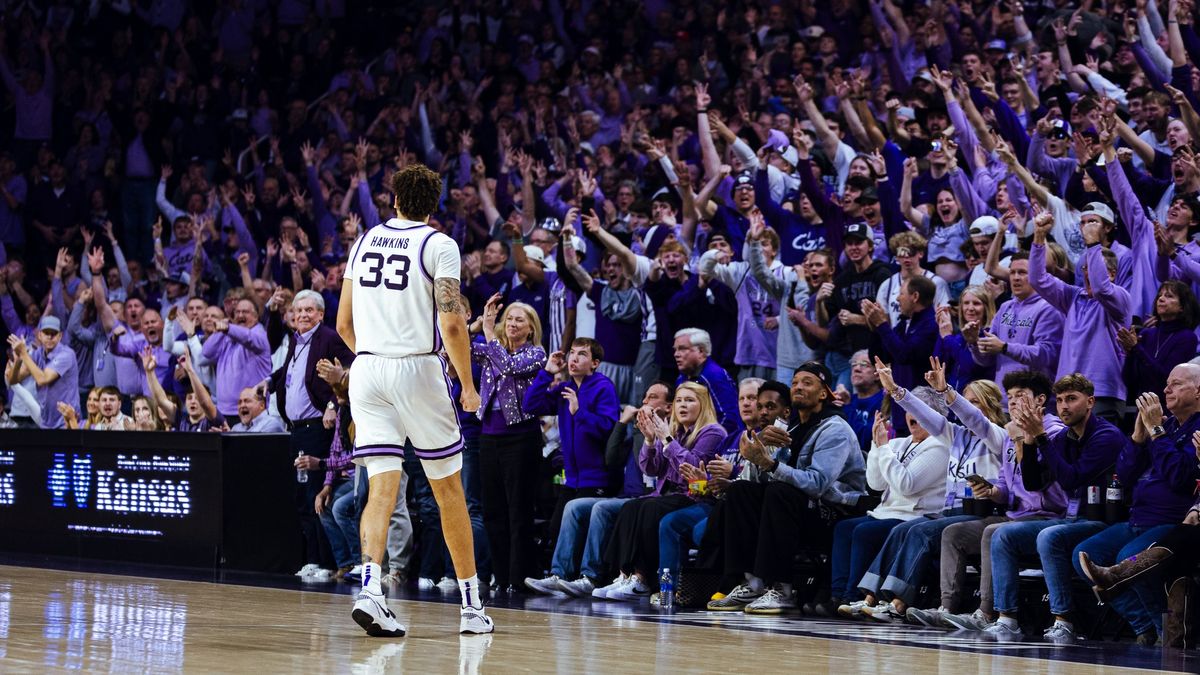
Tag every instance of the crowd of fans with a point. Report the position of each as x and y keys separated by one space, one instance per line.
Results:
x=911 y=286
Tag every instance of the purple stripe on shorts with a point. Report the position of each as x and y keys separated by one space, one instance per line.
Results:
x=452 y=450
x=379 y=450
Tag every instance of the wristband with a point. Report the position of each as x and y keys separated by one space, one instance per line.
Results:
x=1004 y=349
x=942 y=392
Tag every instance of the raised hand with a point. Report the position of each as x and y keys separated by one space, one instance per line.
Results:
x=885 y=377
x=330 y=371
x=556 y=362
x=936 y=376
x=879 y=430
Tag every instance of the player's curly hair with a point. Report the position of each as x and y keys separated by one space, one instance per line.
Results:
x=418 y=190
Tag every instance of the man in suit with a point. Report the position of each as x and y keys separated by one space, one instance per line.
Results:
x=305 y=401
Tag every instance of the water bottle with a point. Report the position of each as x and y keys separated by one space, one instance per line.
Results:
x=301 y=474
x=1114 y=502
x=666 y=590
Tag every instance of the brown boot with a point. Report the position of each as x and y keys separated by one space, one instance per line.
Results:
x=1111 y=581
x=1175 y=628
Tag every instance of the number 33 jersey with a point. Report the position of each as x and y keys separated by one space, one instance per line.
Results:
x=392 y=267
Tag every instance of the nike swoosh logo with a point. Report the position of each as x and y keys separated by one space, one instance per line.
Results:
x=388 y=613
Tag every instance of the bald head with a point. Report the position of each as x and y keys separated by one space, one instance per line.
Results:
x=1182 y=394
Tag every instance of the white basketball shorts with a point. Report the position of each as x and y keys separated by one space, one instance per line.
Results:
x=399 y=401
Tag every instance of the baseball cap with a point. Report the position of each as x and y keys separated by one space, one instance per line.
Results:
x=790 y=155
x=743 y=180
x=858 y=231
x=536 y=254
x=817 y=368
x=1100 y=209
x=181 y=278
x=984 y=226
x=1060 y=129
x=50 y=323
x=777 y=140
x=996 y=45
x=812 y=32
x=869 y=196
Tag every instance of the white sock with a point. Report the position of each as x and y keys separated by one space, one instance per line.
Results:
x=371 y=577
x=470 y=592
x=754 y=583
x=1008 y=621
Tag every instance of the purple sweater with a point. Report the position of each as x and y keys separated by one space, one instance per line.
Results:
x=243 y=359
x=1051 y=500
x=1163 y=474
x=1092 y=320
x=1033 y=330
x=662 y=462
x=584 y=435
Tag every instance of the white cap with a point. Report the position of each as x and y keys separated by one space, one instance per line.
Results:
x=984 y=226
x=536 y=254
x=1104 y=211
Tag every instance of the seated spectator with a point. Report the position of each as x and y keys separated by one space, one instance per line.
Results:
x=909 y=472
x=1161 y=466
x=586 y=407
x=592 y=518
x=146 y=417
x=818 y=484
x=1172 y=557
x=865 y=400
x=252 y=414
x=691 y=437
x=693 y=348
x=198 y=413
x=898 y=571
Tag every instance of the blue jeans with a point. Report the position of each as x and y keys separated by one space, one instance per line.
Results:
x=1052 y=541
x=343 y=540
x=839 y=366
x=435 y=561
x=674 y=530
x=910 y=548
x=596 y=517
x=1143 y=604
x=856 y=541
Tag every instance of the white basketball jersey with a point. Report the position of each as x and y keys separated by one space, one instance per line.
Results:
x=392 y=267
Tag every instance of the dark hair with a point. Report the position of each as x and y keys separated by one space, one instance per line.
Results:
x=1074 y=382
x=1018 y=255
x=594 y=347
x=785 y=394
x=670 y=387
x=1190 y=314
x=924 y=288
x=1032 y=380
x=417 y=189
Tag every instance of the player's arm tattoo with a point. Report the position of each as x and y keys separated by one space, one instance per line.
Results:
x=446 y=294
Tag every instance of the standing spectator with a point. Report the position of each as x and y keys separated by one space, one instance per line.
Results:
x=860 y=280
x=308 y=407
x=511 y=440
x=1026 y=332
x=35 y=101
x=1155 y=350
x=975 y=310
x=1092 y=314
x=53 y=368
x=693 y=347
x=13 y=192
x=242 y=355
x=910 y=343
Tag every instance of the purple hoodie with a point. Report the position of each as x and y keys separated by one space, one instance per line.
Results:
x=1144 y=284
x=1092 y=320
x=584 y=434
x=1051 y=500
x=662 y=462
x=1033 y=330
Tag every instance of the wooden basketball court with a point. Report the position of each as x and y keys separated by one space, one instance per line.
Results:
x=55 y=620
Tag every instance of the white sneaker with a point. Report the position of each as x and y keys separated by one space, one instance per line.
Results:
x=372 y=614
x=774 y=601
x=580 y=588
x=547 y=586
x=1003 y=630
x=884 y=613
x=631 y=591
x=475 y=621
x=447 y=585
x=319 y=576
x=602 y=592
x=1060 y=633
x=308 y=569
x=426 y=584
x=854 y=610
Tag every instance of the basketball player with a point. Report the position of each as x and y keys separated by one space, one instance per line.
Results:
x=401 y=278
